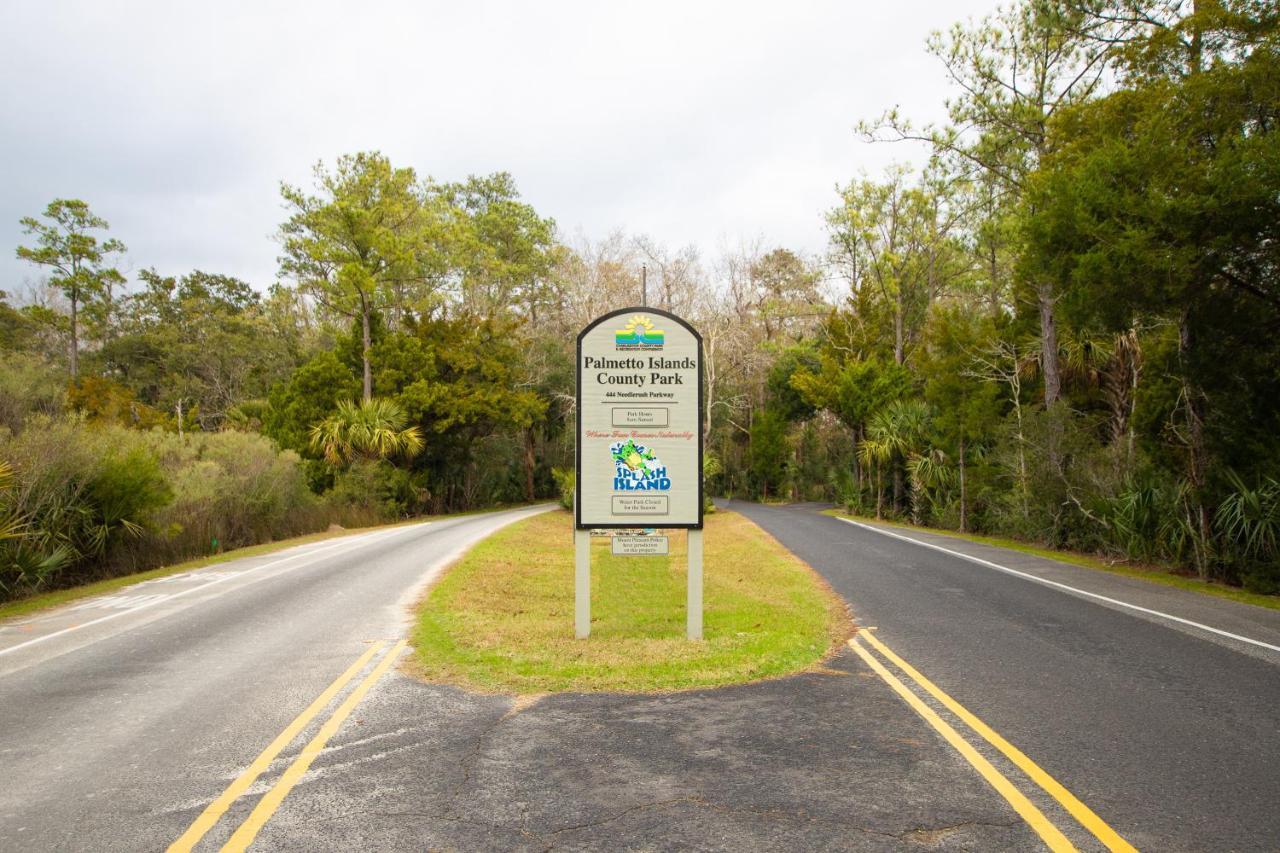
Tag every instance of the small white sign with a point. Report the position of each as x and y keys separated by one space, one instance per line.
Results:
x=640 y=546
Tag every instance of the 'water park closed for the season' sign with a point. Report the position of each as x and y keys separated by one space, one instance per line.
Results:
x=639 y=421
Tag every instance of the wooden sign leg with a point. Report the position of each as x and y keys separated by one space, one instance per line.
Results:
x=582 y=583
x=693 y=616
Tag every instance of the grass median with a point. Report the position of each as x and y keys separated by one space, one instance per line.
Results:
x=501 y=619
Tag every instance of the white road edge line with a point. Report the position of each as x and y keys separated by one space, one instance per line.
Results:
x=1047 y=582
x=346 y=541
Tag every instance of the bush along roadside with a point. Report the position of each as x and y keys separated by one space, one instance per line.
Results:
x=82 y=502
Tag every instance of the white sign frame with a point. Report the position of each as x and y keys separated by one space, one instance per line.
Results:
x=694 y=522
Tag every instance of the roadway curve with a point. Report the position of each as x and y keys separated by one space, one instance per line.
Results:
x=1169 y=731
x=124 y=715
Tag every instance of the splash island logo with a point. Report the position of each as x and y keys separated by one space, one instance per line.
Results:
x=638 y=468
x=639 y=333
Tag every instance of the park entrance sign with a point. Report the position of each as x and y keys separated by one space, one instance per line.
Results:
x=639 y=422
x=639 y=436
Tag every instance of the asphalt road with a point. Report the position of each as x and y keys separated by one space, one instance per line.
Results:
x=1169 y=731
x=261 y=702
x=123 y=716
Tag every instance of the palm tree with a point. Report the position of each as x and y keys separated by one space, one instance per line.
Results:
x=895 y=432
x=370 y=429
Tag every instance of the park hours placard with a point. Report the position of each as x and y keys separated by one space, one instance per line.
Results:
x=639 y=461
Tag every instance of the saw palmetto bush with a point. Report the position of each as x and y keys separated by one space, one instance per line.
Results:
x=76 y=496
x=1248 y=520
x=24 y=563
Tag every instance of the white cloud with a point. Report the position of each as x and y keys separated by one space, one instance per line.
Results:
x=691 y=122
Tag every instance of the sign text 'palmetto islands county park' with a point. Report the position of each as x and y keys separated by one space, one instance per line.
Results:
x=639 y=421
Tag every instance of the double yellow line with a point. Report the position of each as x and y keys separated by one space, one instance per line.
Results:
x=1035 y=818
x=266 y=807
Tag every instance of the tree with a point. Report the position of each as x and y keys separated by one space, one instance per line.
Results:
x=503 y=251
x=371 y=430
x=365 y=238
x=769 y=452
x=896 y=436
x=1015 y=70
x=853 y=390
x=310 y=394
x=894 y=241
x=78 y=262
x=1163 y=200
x=966 y=407
x=197 y=346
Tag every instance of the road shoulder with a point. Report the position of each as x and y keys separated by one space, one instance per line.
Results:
x=1154 y=602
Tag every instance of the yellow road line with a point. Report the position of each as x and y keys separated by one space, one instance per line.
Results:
x=1050 y=834
x=215 y=810
x=271 y=800
x=1052 y=787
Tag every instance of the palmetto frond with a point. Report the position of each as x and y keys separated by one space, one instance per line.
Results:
x=931 y=470
x=1250 y=517
x=372 y=429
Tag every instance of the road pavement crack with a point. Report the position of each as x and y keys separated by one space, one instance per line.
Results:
x=468 y=762
x=933 y=835
x=618 y=815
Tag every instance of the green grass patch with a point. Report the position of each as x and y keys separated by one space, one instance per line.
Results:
x=1154 y=574
x=501 y=619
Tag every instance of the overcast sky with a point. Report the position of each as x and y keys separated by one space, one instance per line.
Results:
x=695 y=122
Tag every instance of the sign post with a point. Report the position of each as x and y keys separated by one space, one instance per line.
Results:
x=639 y=440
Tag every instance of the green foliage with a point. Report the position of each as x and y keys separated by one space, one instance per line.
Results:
x=235 y=487
x=769 y=453
x=1249 y=521
x=367 y=242
x=310 y=394
x=852 y=390
x=201 y=344
x=80 y=502
x=17 y=330
x=566 y=485
x=79 y=496
x=101 y=400
x=77 y=263
x=369 y=430
x=377 y=488
x=783 y=393
x=29 y=386
x=500 y=246
x=1147 y=521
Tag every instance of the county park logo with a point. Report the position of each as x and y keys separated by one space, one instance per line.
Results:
x=639 y=333
x=637 y=468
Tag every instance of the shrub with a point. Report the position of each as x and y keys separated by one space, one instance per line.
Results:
x=29 y=386
x=566 y=483
x=1249 y=523
x=231 y=488
x=378 y=489
x=80 y=501
x=80 y=495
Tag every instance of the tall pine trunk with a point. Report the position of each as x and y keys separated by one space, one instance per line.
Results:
x=364 y=351
x=529 y=464
x=75 y=336
x=1049 y=346
x=1193 y=403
